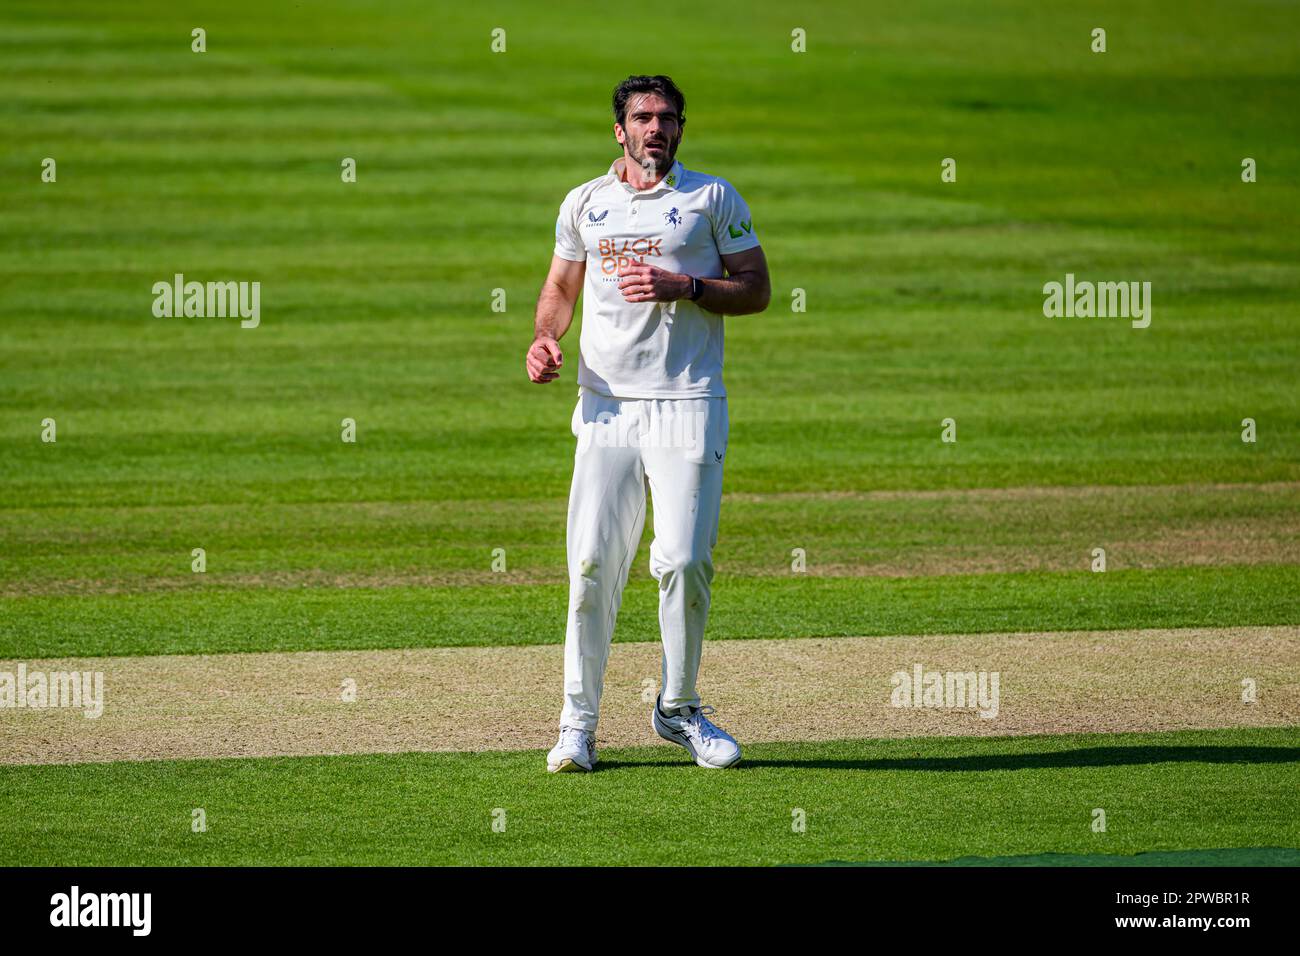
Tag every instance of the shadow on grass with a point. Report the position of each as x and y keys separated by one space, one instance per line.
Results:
x=1083 y=757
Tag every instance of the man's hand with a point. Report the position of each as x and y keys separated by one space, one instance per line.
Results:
x=640 y=282
x=543 y=360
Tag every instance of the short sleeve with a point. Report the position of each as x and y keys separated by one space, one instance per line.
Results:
x=568 y=243
x=733 y=226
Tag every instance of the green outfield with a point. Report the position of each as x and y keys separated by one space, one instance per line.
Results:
x=924 y=302
x=325 y=618
x=861 y=800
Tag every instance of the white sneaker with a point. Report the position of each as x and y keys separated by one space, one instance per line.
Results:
x=575 y=751
x=710 y=745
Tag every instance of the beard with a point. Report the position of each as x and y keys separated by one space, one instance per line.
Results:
x=654 y=162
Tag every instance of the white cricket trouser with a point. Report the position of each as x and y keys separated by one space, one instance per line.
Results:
x=678 y=446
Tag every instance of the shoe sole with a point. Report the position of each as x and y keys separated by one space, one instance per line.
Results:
x=569 y=765
x=682 y=740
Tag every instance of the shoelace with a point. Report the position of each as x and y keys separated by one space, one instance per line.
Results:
x=578 y=734
x=699 y=726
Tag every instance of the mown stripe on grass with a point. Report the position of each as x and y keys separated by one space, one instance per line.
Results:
x=93 y=550
x=861 y=799
x=797 y=606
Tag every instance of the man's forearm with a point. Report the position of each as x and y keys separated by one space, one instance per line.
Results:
x=554 y=313
x=741 y=294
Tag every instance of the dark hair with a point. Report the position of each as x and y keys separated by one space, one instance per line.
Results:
x=663 y=85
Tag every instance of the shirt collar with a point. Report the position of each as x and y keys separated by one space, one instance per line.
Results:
x=670 y=182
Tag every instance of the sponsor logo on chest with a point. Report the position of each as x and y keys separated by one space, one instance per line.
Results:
x=616 y=253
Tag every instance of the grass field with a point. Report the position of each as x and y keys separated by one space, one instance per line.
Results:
x=863 y=800
x=924 y=302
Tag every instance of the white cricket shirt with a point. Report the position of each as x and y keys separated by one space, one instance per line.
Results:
x=685 y=224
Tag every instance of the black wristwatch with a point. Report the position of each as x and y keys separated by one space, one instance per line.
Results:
x=697 y=288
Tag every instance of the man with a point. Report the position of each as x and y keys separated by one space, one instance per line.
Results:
x=662 y=253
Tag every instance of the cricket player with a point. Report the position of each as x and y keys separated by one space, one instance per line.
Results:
x=662 y=253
